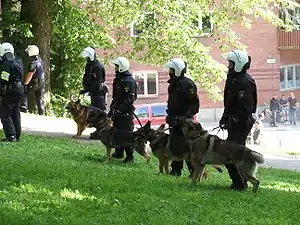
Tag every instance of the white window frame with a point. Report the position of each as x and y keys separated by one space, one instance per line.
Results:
x=132 y=25
x=291 y=15
x=132 y=29
x=200 y=24
x=145 y=73
x=294 y=87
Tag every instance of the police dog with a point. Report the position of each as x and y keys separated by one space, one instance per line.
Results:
x=85 y=116
x=210 y=149
x=114 y=138
x=159 y=144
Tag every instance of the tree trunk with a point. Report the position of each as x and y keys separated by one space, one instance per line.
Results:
x=39 y=14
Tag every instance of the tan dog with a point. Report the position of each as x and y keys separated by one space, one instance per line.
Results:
x=159 y=144
x=85 y=116
x=210 y=149
x=113 y=138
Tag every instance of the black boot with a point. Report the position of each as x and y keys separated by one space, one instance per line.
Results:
x=9 y=139
x=175 y=173
x=176 y=168
x=128 y=159
x=237 y=182
x=118 y=154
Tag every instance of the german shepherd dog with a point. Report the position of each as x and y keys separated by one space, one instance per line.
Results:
x=210 y=149
x=159 y=144
x=114 y=138
x=85 y=116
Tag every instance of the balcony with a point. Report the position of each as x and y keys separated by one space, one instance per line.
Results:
x=288 y=40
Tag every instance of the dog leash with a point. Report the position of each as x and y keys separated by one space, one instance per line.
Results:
x=137 y=119
x=219 y=129
x=166 y=129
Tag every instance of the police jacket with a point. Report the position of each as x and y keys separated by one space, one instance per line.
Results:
x=124 y=93
x=94 y=77
x=11 y=75
x=183 y=98
x=240 y=95
x=37 y=67
x=274 y=104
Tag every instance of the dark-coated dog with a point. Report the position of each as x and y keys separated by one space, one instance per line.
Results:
x=85 y=116
x=114 y=138
x=159 y=144
x=210 y=149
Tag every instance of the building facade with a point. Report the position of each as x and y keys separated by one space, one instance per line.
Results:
x=275 y=67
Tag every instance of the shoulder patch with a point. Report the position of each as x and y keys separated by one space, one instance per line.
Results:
x=5 y=75
x=32 y=66
x=241 y=93
x=191 y=91
x=126 y=89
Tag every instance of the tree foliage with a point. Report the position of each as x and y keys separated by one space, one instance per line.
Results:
x=172 y=31
x=167 y=28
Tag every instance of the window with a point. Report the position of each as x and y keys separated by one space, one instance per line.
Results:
x=139 y=79
x=282 y=80
x=145 y=22
x=142 y=112
x=159 y=111
x=291 y=15
x=297 y=75
x=147 y=83
x=134 y=31
x=204 y=23
x=290 y=77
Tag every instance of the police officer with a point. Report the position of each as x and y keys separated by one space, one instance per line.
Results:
x=94 y=78
x=34 y=80
x=240 y=101
x=121 y=108
x=183 y=101
x=11 y=92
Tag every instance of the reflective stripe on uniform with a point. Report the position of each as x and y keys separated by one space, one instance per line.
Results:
x=5 y=75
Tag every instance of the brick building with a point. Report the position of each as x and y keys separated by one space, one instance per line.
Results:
x=275 y=67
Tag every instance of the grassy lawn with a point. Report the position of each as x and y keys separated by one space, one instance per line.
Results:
x=60 y=181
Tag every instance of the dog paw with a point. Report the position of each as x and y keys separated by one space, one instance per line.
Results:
x=76 y=136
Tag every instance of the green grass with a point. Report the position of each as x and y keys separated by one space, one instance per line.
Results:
x=60 y=181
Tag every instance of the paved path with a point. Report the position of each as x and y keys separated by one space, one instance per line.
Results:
x=276 y=143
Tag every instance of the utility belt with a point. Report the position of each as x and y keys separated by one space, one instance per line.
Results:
x=7 y=88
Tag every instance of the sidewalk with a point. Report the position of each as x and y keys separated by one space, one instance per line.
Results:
x=277 y=141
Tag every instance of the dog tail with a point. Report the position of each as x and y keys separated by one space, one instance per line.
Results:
x=257 y=157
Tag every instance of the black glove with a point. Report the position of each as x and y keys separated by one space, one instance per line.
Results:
x=170 y=120
x=223 y=122
x=81 y=92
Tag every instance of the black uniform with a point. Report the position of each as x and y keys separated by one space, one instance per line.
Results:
x=93 y=82
x=121 y=108
x=183 y=101
x=240 y=101
x=274 y=108
x=11 y=92
x=36 y=85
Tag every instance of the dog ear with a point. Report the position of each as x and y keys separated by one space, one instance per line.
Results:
x=148 y=124
x=161 y=127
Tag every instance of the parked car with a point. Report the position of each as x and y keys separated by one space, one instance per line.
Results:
x=155 y=112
